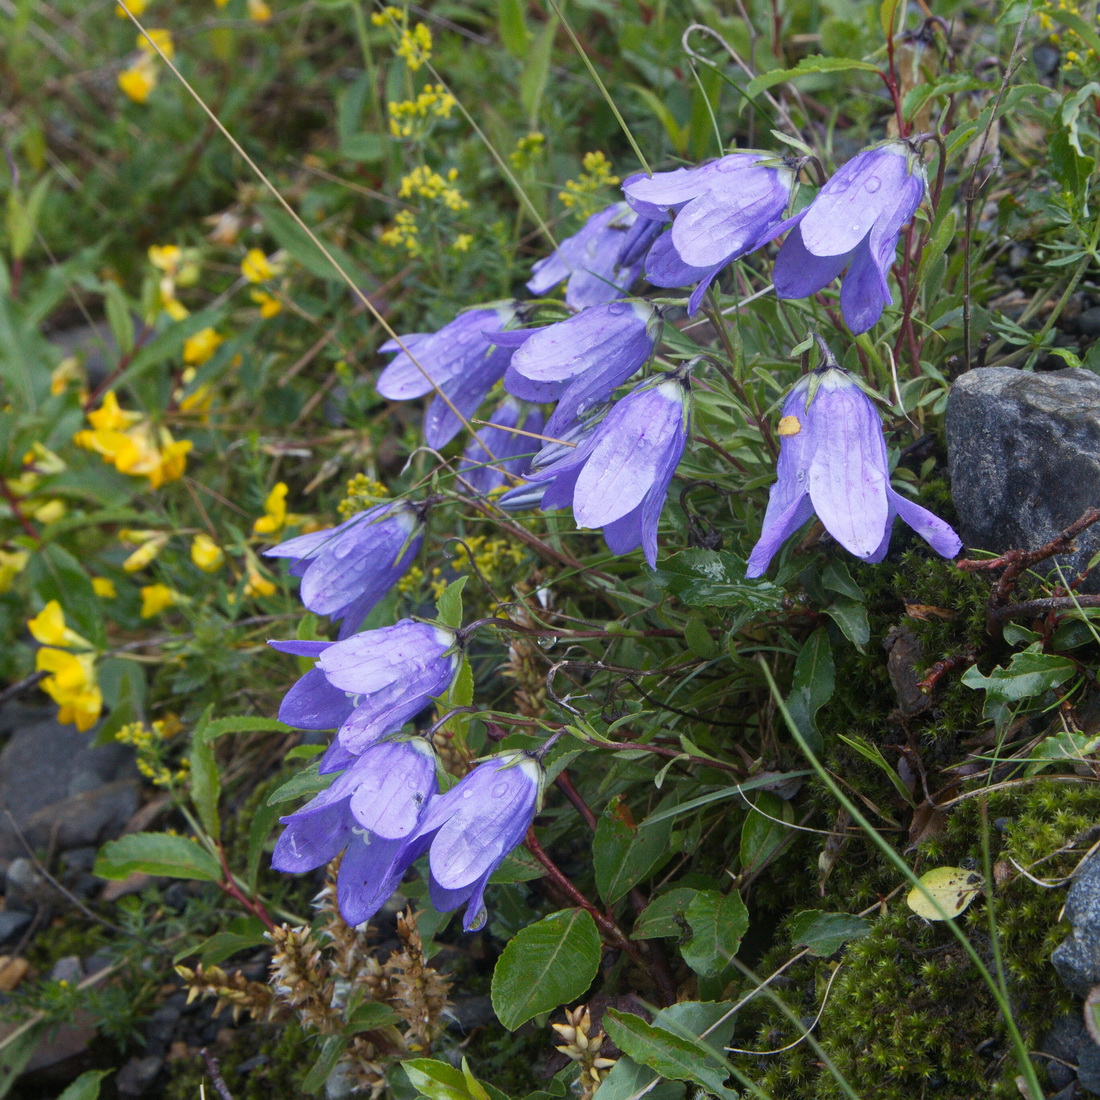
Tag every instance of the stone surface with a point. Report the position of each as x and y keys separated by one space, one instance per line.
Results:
x=12 y=923
x=63 y=791
x=1024 y=452
x=137 y=1075
x=1077 y=957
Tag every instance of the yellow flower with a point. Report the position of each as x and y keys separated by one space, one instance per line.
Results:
x=12 y=563
x=155 y=598
x=415 y=46
x=64 y=374
x=151 y=543
x=104 y=588
x=258 y=585
x=275 y=514
x=110 y=417
x=173 y=460
x=166 y=257
x=48 y=512
x=258 y=11
x=256 y=267
x=199 y=400
x=48 y=628
x=138 y=80
x=207 y=554
x=136 y=6
x=199 y=348
x=462 y=242
x=174 y=307
x=71 y=684
x=161 y=39
x=269 y=305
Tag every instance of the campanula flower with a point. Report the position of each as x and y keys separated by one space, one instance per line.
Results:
x=855 y=222
x=723 y=210
x=461 y=362
x=391 y=674
x=832 y=461
x=371 y=813
x=346 y=570
x=617 y=475
x=600 y=262
x=474 y=826
x=579 y=362
x=510 y=452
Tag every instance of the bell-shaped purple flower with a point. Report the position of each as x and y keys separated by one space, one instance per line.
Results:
x=600 y=262
x=347 y=569
x=723 y=210
x=832 y=461
x=459 y=361
x=371 y=812
x=617 y=476
x=390 y=675
x=496 y=451
x=474 y=826
x=582 y=360
x=855 y=222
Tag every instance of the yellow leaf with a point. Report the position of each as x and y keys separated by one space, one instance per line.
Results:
x=953 y=888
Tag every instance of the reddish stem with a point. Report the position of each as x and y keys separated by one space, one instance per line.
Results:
x=230 y=887
x=17 y=509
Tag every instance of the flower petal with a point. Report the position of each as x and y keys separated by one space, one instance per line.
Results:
x=939 y=535
x=798 y=273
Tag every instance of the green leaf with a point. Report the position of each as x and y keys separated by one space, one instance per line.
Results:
x=56 y=575
x=761 y=836
x=119 y=318
x=242 y=723
x=813 y=64
x=824 y=933
x=518 y=866
x=448 y=608
x=769 y=779
x=156 y=854
x=332 y=1049
x=547 y=964
x=532 y=82
x=308 y=781
x=1070 y=168
x=624 y=854
x=15 y=1055
x=812 y=685
x=851 y=617
x=369 y=1016
x=86 y=1086
x=205 y=781
x=23 y=216
x=1030 y=672
x=888 y=17
x=222 y=945
x=677 y=135
x=715 y=578
x=513 y=27
x=664 y=916
x=672 y=1056
x=302 y=249
x=441 y=1081
x=1063 y=747
x=717 y=922
x=870 y=751
x=945 y=234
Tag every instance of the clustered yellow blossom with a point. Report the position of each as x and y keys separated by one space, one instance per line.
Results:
x=38 y=461
x=408 y=117
x=491 y=557
x=104 y=588
x=426 y=184
x=200 y=348
x=149 y=544
x=582 y=194
x=156 y=598
x=176 y=267
x=528 y=150
x=275 y=516
x=270 y=306
x=257 y=584
x=199 y=400
x=71 y=681
x=414 y=44
x=207 y=554
x=149 y=741
x=403 y=233
x=68 y=371
x=12 y=563
x=1081 y=53
x=139 y=79
x=462 y=242
x=257 y=268
x=362 y=492
x=133 y=444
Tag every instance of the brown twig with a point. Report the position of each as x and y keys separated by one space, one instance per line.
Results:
x=1042 y=607
x=215 y=1072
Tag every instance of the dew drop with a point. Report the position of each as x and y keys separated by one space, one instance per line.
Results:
x=546 y=641
x=840 y=186
x=467 y=793
x=873 y=184
x=500 y=790
x=618 y=307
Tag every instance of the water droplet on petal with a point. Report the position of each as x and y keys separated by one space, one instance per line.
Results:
x=728 y=164
x=873 y=184
x=618 y=307
x=840 y=186
x=500 y=790
x=467 y=793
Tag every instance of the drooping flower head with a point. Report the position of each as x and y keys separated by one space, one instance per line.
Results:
x=386 y=676
x=371 y=813
x=723 y=210
x=510 y=451
x=855 y=222
x=347 y=569
x=474 y=826
x=832 y=461
x=618 y=474
x=600 y=262
x=458 y=361
x=581 y=361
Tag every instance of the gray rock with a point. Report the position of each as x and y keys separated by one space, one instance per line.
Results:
x=1088 y=1069
x=68 y=969
x=12 y=922
x=137 y=1075
x=25 y=888
x=1024 y=452
x=1077 y=957
x=62 y=790
x=1088 y=324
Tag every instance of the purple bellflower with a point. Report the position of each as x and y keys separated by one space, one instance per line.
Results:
x=371 y=812
x=723 y=210
x=474 y=826
x=459 y=359
x=600 y=262
x=580 y=362
x=855 y=222
x=389 y=676
x=347 y=569
x=618 y=474
x=832 y=461
x=510 y=451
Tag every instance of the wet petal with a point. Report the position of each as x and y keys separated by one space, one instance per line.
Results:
x=798 y=273
x=938 y=534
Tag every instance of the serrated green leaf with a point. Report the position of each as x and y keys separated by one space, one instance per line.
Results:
x=715 y=578
x=156 y=854
x=448 y=608
x=547 y=964
x=1029 y=673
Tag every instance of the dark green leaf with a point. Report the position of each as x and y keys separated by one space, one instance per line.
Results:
x=547 y=964
x=1029 y=673
x=664 y=916
x=370 y=1015
x=717 y=922
x=814 y=64
x=332 y=1049
x=714 y=578
x=763 y=833
x=86 y=1086
x=824 y=933
x=624 y=854
x=156 y=854
x=307 y=782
